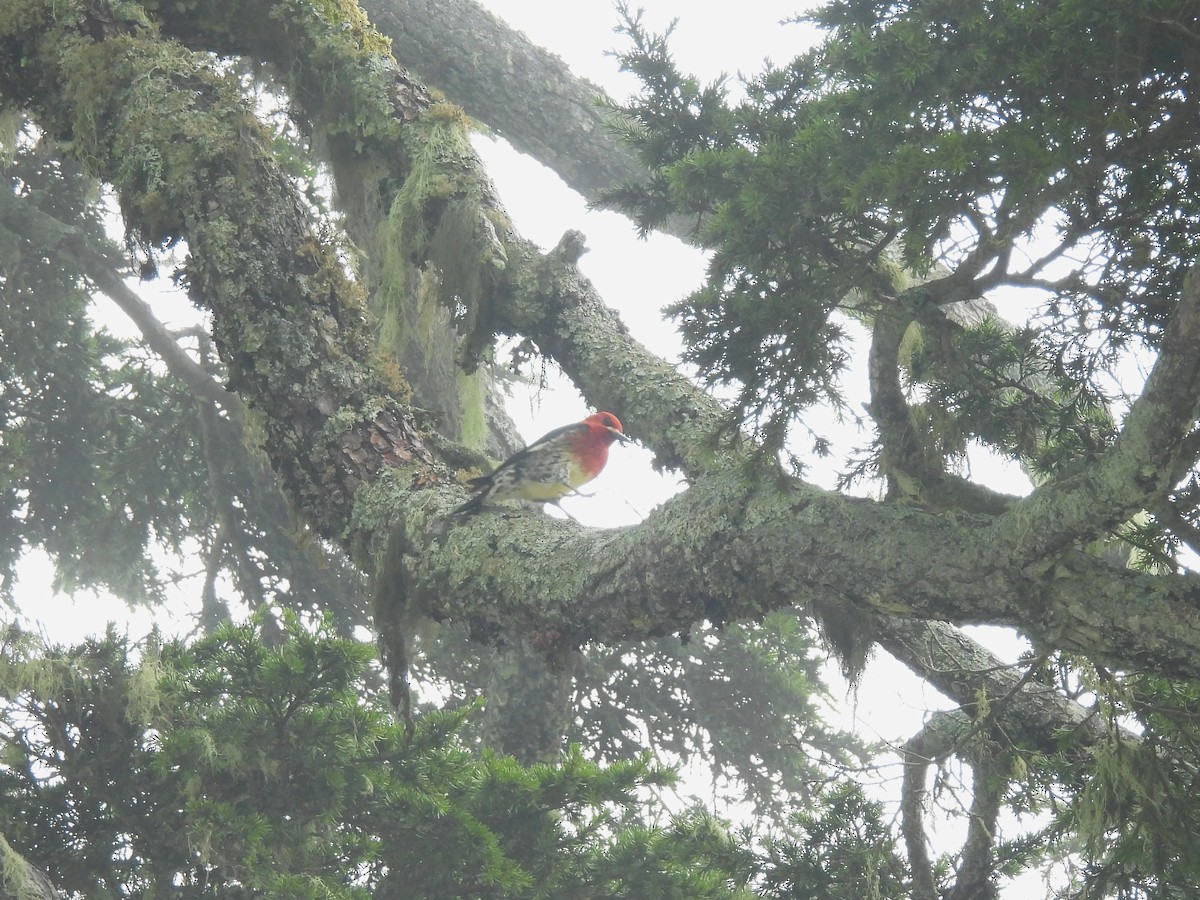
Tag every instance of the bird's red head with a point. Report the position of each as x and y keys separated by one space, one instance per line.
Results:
x=609 y=423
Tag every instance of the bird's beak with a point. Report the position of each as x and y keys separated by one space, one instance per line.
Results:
x=621 y=436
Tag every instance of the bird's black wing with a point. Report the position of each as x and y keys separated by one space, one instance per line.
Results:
x=515 y=459
x=483 y=482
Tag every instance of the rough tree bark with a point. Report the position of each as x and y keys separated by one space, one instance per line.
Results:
x=354 y=459
x=188 y=161
x=20 y=880
x=533 y=100
x=525 y=94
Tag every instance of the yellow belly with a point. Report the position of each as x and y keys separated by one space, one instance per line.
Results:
x=549 y=491
x=543 y=492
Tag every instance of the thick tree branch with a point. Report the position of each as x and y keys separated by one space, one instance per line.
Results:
x=21 y=879
x=285 y=318
x=1136 y=471
x=726 y=550
x=560 y=123
x=188 y=158
x=1032 y=715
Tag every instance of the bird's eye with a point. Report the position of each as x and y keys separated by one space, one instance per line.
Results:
x=609 y=423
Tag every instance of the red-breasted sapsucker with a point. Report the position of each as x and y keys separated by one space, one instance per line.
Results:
x=552 y=466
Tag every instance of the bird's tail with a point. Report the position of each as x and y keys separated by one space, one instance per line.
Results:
x=475 y=504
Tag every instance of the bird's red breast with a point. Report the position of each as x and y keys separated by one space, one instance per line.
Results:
x=590 y=441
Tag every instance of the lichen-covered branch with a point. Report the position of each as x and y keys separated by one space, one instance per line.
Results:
x=726 y=550
x=1133 y=474
x=1034 y=715
x=188 y=160
x=525 y=94
x=20 y=879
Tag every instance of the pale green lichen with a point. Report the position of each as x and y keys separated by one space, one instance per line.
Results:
x=438 y=224
x=19 y=880
x=348 y=18
x=439 y=261
x=472 y=389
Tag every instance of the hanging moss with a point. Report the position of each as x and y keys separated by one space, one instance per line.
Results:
x=472 y=390
x=438 y=263
x=438 y=244
x=367 y=116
